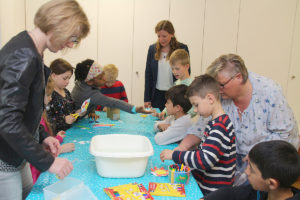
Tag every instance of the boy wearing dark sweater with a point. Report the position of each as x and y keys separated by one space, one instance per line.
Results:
x=273 y=166
x=214 y=162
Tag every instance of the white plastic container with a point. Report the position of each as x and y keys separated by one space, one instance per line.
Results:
x=121 y=155
x=68 y=189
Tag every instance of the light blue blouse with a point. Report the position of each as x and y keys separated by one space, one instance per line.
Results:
x=268 y=117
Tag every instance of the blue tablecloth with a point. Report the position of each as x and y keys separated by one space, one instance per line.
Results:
x=84 y=162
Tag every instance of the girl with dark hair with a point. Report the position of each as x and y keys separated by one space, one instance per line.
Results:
x=89 y=76
x=158 y=73
x=61 y=107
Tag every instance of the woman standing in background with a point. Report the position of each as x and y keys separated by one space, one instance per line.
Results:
x=158 y=73
x=59 y=24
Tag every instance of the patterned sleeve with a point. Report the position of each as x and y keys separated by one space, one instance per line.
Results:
x=280 y=121
x=55 y=116
x=213 y=148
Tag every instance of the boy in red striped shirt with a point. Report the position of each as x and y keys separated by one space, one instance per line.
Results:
x=215 y=160
x=112 y=88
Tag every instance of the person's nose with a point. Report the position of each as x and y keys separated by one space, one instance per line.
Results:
x=69 y=44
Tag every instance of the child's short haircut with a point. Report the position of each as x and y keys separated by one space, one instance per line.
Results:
x=176 y=94
x=111 y=72
x=180 y=55
x=60 y=66
x=202 y=85
x=277 y=159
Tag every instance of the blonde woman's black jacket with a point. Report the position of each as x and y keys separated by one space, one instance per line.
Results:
x=151 y=71
x=21 y=103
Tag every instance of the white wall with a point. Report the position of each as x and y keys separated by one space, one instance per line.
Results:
x=266 y=33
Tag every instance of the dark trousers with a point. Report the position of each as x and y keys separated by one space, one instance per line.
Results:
x=159 y=99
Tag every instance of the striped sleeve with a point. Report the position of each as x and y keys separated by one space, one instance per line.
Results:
x=212 y=150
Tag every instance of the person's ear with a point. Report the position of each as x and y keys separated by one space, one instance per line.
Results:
x=187 y=66
x=178 y=108
x=52 y=75
x=273 y=183
x=239 y=77
x=211 y=98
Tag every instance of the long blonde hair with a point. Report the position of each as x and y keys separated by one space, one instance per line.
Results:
x=174 y=44
x=64 y=18
x=48 y=91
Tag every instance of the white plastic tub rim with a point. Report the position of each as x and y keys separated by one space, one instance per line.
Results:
x=117 y=144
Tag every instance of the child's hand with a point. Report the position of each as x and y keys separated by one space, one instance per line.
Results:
x=166 y=155
x=147 y=104
x=68 y=147
x=94 y=116
x=163 y=127
x=70 y=119
x=104 y=109
x=161 y=115
x=141 y=109
x=62 y=134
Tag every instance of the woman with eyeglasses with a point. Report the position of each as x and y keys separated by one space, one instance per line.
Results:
x=59 y=24
x=256 y=106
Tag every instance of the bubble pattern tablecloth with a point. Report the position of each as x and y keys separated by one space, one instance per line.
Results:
x=84 y=163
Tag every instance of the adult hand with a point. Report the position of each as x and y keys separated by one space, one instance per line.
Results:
x=68 y=147
x=70 y=119
x=52 y=145
x=147 y=104
x=166 y=155
x=163 y=127
x=141 y=109
x=62 y=134
x=94 y=116
x=61 y=167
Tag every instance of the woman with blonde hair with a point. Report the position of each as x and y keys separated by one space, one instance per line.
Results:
x=158 y=73
x=59 y=24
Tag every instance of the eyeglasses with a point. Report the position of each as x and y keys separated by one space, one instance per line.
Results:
x=222 y=85
x=74 y=39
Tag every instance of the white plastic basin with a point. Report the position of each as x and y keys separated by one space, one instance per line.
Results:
x=121 y=155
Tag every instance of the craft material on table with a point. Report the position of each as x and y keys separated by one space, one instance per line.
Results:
x=83 y=127
x=159 y=171
x=113 y=113
x=83 y=109
x=179 y=173
x=166 y=189
x=103 y=125
x=129 y=191
x=85 y=167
